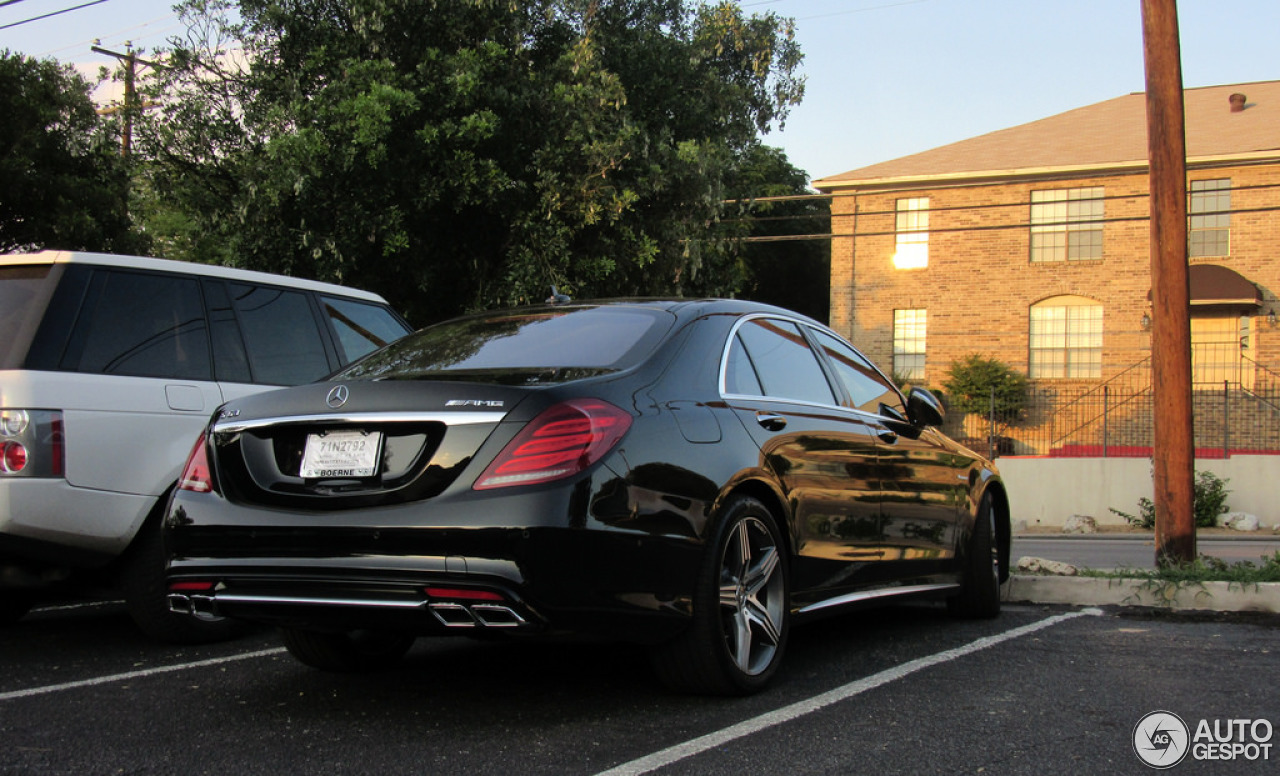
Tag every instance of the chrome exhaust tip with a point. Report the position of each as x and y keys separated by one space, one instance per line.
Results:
x=453 y=615
x=495 y=616
x=202 y=607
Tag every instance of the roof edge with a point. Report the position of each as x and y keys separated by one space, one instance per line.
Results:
x=979 y=176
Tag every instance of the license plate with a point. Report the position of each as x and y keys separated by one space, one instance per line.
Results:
x=341 y=454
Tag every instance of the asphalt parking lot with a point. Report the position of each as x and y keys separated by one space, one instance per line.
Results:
x=900 y=690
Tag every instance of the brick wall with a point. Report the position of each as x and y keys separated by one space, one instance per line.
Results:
x=980 y=283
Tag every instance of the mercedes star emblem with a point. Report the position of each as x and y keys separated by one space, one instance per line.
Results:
x=338 y=396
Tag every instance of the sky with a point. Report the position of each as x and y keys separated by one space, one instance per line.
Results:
x=885 y=78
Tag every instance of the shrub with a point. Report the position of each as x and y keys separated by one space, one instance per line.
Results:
x=974 y=377
x=1209 y=501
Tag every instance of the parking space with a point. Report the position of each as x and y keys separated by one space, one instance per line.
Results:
x=900 y=690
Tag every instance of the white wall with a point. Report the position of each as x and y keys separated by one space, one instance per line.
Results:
x=1046 y=491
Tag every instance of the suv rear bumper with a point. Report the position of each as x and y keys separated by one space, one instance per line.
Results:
x=85 y=523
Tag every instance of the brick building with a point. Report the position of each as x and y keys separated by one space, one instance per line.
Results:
x=1032 y=245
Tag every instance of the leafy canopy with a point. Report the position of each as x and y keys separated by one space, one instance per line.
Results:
x=462 y=154
x=63 y=184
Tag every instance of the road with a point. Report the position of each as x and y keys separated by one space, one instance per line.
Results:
x=903 y=690
x=1099 y=551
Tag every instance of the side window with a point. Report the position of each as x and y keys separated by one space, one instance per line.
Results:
x=141 y=324
x=771 y=358
x=284 y=343
x=361 y=327
x=230 y=363
x=740 y=374
x=868 y=389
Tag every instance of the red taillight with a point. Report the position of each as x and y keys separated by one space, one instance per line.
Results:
x=195 y=475
x=57 y=448
x=562 y=441
x=13 y=458
x=462 y=594
x=31 y=443
x=199 y=586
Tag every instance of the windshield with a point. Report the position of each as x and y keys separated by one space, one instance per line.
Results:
x=21 y=305
x=521 y=347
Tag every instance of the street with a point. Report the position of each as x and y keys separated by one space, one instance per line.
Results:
x=1101 y=552
x=905 y=690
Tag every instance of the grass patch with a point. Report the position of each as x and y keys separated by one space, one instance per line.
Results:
x=1202 y=569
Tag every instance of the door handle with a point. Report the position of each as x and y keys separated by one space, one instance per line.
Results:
x=771 y=422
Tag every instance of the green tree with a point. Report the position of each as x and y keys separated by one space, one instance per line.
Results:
x=781 y=265
x=462 y=154
x=63 y=184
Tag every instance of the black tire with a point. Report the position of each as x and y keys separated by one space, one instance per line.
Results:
x=146 y=596
x=347 y=651
x=14 y=606
x=741 y=609
x=979 y=596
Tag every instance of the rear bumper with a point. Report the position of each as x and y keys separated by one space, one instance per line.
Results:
x=521 y=564
x=412 y=608
x=75 y=526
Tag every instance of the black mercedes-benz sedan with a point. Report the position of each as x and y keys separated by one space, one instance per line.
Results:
x=694 y=475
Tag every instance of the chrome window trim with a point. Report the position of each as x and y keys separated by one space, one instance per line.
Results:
x=235 y=426
x=724 y=368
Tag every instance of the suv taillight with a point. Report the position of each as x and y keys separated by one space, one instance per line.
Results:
x=196 y=476
x=561 y=441
x=31 y=443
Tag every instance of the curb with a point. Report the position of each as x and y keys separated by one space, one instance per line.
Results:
x=1095 y=591
x=1256 y=536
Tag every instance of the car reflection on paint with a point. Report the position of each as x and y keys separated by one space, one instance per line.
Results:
x=696 y=476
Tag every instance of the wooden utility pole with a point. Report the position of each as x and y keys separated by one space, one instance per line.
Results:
x=1174 y=449
x=129 y=106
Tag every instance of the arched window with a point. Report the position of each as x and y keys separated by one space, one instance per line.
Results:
x=1066 y=338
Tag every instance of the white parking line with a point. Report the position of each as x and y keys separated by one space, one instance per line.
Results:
x=72 y=607
x=52 y=688
x=701 y=744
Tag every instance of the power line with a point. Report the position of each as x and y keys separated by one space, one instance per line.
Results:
x=1017 y=225
x=48 y=15
x=135 y=33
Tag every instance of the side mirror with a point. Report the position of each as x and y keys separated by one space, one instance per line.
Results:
x=923 y=408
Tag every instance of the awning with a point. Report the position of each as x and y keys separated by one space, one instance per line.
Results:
x=1214 y=285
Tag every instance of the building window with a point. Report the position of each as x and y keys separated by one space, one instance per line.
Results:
x=1066 y=338
x=1066 y=224
x=1209 y=227
x=908 y=344
x=912 y=246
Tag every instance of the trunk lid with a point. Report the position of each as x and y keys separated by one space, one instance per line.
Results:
x=337 y=445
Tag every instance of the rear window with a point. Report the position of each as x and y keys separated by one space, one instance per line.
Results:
x=22 y=297
x=361 y=327
x=521 y=347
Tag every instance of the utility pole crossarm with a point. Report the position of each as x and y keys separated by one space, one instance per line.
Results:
x=130 y=102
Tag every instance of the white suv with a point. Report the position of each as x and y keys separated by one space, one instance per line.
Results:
x=109 y=367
